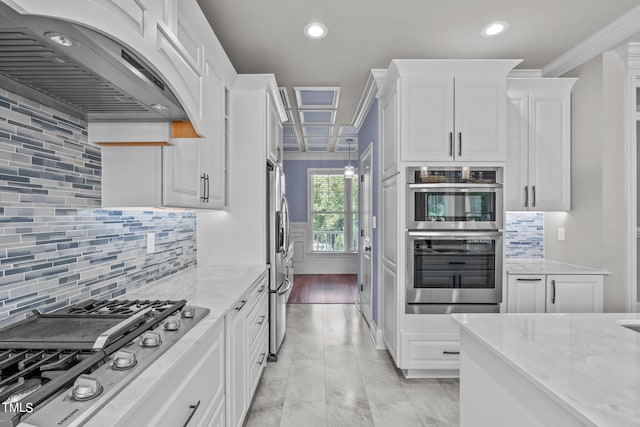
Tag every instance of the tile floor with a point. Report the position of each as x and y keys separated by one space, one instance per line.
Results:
x=330 y=374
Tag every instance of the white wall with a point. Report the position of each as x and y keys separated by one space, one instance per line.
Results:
x=306 y=262
x=595 y=234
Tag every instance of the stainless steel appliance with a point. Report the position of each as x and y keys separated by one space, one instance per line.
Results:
x=454 y=239
x=454 y=198
x=61 y=368
x=96 y=79
x=454 y=272
x=279 y=249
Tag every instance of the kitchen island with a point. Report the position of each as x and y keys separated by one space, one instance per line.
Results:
x=549 y=370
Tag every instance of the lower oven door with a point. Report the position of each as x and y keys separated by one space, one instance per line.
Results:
x=454 y=268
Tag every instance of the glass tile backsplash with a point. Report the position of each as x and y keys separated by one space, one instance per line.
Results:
x=524 y=235
x=57 y=247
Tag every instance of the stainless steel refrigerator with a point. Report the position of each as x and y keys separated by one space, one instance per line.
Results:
x=279 y=248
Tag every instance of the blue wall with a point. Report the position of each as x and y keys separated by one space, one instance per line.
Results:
x=368 y=134
x=296 y=183
x=56 y=246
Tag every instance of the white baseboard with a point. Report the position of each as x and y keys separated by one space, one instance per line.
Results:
x=376 y=336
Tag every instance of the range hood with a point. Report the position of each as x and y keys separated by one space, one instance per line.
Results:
x=96 y=79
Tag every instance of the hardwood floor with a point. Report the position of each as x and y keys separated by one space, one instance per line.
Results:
x=324 y=289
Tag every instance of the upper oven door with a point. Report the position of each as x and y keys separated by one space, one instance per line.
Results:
x=454 y=206
x=454 y=268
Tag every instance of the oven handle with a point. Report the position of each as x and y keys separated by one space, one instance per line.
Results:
x=456 y=235
x=454 y=187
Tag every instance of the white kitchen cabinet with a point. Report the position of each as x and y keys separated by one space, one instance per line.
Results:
x=247 y=349
x=538 y=173
x=389 y=133
x=454 y=118
x=191 y=390
x=274 y=132
x=449 y=110
x=390 y=287
x=574 y=294
x=557 y=293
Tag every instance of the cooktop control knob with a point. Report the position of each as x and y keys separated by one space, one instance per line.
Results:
x=150 y=339
x=188 y=312
x=172 y=324
x=86 y=387
x=123 y=360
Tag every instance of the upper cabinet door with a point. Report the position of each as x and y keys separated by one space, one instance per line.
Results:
x=183 y=184
x=274 y=132
x=549 y=151
x=480 y=117
x=427 y=118
x=516 y=183
x=389 y=133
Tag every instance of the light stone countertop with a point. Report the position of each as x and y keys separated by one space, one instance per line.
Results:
x=586 y=362
x=215 y=288
x=547 y=266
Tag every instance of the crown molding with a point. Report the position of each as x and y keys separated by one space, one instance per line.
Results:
x=602 y=40
x=629 y=54
x=374 y=81
x=317 y=156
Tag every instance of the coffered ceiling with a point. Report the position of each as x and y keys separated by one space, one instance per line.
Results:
x=323 y=79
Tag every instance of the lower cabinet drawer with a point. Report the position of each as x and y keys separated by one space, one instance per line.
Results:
x=431 y=352
x=257 y=319
x=258 y=360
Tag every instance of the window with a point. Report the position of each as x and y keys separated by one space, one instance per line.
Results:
x=333 y=207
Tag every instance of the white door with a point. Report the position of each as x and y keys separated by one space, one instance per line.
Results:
x=480 y=116
x=366 y=234
x=574 y=293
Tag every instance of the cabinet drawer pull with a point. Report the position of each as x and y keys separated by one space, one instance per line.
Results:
x=193 y=409
x=262 y=318
x=262 y=360
x=521 y=279
x=447 y=352
x=243 y=302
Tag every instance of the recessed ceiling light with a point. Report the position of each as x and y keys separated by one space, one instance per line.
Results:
x=61 y=39
x=315 y=30
x=495 y=28
x=159 y=107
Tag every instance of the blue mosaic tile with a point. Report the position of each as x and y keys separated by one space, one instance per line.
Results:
x=524 y=235
x=58 y=246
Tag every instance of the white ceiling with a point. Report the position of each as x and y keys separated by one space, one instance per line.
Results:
x=262 y=36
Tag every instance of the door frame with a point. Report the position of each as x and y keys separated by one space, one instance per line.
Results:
x=368 y=152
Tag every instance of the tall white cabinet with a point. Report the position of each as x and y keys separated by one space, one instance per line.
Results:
x=538 y=173
x=432 y=112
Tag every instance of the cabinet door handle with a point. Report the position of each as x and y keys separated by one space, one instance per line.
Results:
x=204 y=187
x=192 y=412
x=526 y=196
x=553 y=292
x=450 y=144
x=520 y=279
x=262 y=318
x=453 y=277
x=208 y=186
x=243 y=302
x=262 y=360
x=460 y=143
x=447 y=352
x=533 y=196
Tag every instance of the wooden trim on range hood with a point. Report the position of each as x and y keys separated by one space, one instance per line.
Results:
x=183 y=129
x=135 y=144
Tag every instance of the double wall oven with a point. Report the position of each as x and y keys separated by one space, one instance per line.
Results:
x=454 y=240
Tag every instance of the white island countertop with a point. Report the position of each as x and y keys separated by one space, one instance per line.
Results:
x=588 y=363
x=547 y=266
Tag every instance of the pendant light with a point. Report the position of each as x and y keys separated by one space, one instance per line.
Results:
x=348 y=170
